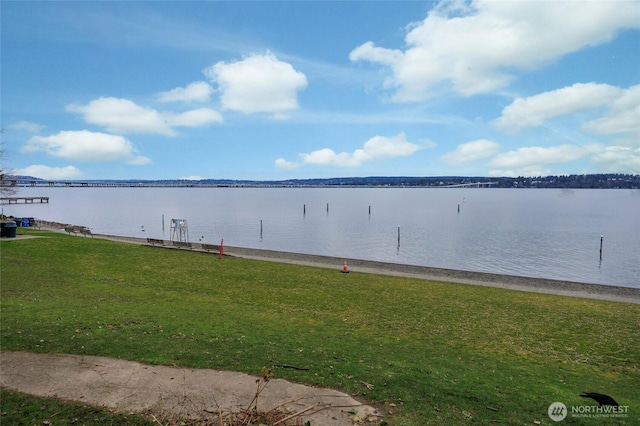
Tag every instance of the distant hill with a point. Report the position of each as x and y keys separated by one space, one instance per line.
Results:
x=605 y=181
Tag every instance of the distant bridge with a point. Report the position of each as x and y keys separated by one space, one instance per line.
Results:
x=471 y=185
x=86 y=184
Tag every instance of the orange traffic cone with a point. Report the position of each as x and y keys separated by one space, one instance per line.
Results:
x=345 y=268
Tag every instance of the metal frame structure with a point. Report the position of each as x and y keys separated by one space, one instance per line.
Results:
x=179 y=230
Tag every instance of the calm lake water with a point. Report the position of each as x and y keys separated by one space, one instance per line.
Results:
x=530 y=232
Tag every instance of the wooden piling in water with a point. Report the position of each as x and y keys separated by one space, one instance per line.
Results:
x=601 y=238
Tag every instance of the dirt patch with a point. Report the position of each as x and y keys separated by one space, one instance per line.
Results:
x=196 y=394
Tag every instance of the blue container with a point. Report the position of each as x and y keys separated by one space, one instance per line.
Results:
x=25 y=222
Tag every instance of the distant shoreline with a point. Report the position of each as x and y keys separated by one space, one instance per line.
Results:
x=586 y=181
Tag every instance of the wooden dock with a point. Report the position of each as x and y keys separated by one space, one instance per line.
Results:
x=24 y=200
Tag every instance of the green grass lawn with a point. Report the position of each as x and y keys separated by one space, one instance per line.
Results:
x=428 y=352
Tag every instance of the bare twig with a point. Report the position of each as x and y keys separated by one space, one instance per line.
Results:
x=293 y=367
x=368 y=385
x=277 y=407
x=297 y=414
x=155 y=419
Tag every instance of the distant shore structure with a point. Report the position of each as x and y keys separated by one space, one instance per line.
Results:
x=198 y=184
x=179 y=230
x=583 y=181
x=23 y=200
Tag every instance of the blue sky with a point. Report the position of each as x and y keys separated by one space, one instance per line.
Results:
x=279 y=90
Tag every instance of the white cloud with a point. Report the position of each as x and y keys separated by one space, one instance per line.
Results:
x=535 y=110
x=281 y=163
x=524 y=171
x=195 y=177
x=198 y=91
x=194 y=118
x=533 y=161
x=27 y=126
x=83 y=145
x=258 y=83
x=471 y=151
x=376 y=148
x=623 y=117
x=121 y=116
x=616 y=159
x=470 y=45
x=47 y=172
x=139 y=160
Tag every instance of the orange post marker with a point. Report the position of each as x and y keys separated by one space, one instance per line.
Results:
x=221 y=249
x=345 y=268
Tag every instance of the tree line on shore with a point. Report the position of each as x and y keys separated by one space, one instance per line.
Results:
x=596 y=181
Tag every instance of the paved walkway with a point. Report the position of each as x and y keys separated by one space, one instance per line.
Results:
x=195 y=394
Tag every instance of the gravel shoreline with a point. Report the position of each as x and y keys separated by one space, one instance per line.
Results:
x=510 y=282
